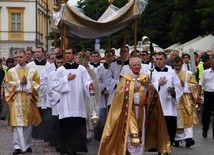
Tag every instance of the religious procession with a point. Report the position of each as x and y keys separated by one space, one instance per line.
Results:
x=134 y=100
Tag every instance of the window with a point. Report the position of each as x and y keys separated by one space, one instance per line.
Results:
x=16 y=22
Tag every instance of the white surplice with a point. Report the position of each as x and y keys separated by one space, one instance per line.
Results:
x=44 y=85
x=53 y=96
x=112 y=77
x=39 y=69
x=167 y=102
x=72 y=102
x=101 y=74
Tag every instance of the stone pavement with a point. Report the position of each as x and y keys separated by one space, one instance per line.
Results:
x=202 y=146
x=39 y=147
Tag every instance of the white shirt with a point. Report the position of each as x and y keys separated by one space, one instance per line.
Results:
x=187 y=67
x=207 y=80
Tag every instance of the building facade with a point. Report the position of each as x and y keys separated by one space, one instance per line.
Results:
x=24 y=24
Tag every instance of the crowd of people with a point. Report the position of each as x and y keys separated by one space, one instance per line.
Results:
x=137 y=102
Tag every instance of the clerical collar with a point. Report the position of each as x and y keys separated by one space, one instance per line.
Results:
x=145 y=62
x=55 y=65
x=28 y=61
x=73 y=65
x=119 y=62
x=95 y=64
x=21 y=67
x=40 y=62
x=211 y=70
x=71 y=62
x=106 y=66
x=165 y=69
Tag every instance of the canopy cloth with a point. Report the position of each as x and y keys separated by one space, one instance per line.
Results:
x=112 y=21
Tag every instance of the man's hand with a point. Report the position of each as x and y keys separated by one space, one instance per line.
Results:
x=91 y=86
x=23 y=81
x=171 y=90
x=71 y=76
x=182 y=83
x=105 y=92
x=162 y=81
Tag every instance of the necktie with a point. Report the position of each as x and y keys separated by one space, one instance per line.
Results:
x=188 y=67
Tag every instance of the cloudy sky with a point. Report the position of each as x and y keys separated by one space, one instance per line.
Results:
x=74 y=2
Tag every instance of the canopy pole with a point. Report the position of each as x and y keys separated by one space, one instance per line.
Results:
x=63 y=39
x=109 y=48
x=55 y=40
x=123 y=48
x=109 y=42
x=135 y=35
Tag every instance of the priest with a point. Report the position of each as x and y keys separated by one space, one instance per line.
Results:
x=127 y=122
x=187 y=115
x=21 y=93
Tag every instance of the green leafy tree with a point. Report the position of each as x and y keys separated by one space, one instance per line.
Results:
x=205 y=10
x=185 y=22
x=156 y=21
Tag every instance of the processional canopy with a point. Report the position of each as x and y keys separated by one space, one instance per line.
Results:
x=110 y=22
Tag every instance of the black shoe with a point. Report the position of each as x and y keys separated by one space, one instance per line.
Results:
x=176 y=143
x=58 y=149
x=29 y=150
x=189 y=142
x=17 y=151
x=204 y=134
x=63 y=152
x=3 y=118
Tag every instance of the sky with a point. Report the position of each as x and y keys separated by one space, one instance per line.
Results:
x=74 y=2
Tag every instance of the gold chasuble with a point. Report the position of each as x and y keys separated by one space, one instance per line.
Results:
x=187 y=115
x=22 y=104
x=122 y=118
